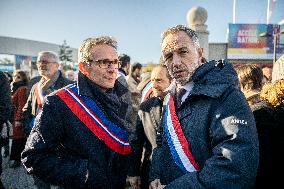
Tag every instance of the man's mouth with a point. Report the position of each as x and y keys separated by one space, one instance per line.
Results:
x=179 y=73
x=110 y=78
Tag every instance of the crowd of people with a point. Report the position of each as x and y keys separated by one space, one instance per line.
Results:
x=189 y=123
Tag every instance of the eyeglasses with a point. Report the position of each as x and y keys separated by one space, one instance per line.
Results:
x=105 y=63
x=43 y=62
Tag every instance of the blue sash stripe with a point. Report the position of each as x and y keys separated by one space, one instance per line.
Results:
x=170 y=143
x=112 y=129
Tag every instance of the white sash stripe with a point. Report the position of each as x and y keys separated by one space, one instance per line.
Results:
x=105 y=128
x=182 y=156
x=175 y=140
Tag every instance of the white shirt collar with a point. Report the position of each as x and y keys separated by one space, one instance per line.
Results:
x=188 y=87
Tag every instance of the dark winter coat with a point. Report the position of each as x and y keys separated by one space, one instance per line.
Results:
x=270 y=127
x=61 y=150
x=5 y=99
x=5 y=106
x=220 y=129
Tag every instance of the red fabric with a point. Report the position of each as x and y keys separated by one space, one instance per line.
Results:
x=19 y=100
x=38 y=99
x=184 y=143
x=147 y=95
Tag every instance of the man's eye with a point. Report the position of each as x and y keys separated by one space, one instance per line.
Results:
x=168 y=57
x=183 y=52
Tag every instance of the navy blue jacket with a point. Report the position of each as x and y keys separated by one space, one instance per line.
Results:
x=61 y=150
x=220 y=129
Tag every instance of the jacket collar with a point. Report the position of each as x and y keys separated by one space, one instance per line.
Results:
x=87 y=87
x=211 y=79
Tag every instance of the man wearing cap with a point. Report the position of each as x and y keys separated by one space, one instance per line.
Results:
x=81 y=137
x=207 y=137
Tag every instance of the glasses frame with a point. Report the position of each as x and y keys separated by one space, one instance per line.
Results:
x=43 y=62
x=105 y=63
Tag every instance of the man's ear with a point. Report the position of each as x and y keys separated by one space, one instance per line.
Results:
x=83 y=68
x=200 y=52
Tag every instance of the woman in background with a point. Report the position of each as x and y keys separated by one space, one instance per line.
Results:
x=19 y=98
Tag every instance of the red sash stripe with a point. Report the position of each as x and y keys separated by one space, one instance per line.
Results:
x=91 y=124
x=185 y=145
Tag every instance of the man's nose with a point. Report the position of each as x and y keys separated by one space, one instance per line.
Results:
x=112 y=70
x=176 y=59
x=155 y=84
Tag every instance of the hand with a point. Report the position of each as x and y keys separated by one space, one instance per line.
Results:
x=134 y=182
x=161 y=186
x=155 y=184
x=18 y=124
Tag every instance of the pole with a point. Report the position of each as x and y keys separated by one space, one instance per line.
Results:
x=274 y=47
x=268 y=12
x=234 y=12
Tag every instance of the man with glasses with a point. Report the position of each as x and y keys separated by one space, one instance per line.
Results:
x=81 y=137
x=207 y=137
x=51 y=80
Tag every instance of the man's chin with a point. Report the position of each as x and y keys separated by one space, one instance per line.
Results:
x=182 y=81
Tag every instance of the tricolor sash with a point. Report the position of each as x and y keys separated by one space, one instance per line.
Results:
x=146 y=91
x=179 y=146
x=94 y=119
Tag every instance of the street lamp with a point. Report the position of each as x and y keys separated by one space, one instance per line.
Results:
x=276 y=34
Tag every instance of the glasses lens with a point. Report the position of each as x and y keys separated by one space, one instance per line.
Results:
x=107 y=63
x=43 y=62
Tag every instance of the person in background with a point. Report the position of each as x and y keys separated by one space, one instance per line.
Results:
x=82 y=137
x=70 y=74
x=251 y=80
x=133 y=79
x=7 y=127
x=19 y=98
x=207 y=137
x=123 y=71
x=149 y=120
x=267 y=74
x=250 y=77
x=271 y=116
x=5 y=110
x=51 y=80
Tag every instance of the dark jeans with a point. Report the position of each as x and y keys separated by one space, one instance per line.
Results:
x=18 y=145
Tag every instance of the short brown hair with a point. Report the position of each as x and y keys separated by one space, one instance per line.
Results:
x=84 y=54
x=250 y=77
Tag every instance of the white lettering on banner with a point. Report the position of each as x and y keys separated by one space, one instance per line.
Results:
x=247 y=40
x=247 y=36
x=243 y=122
x=247 y=33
